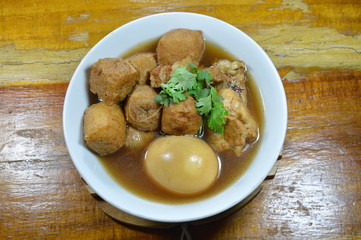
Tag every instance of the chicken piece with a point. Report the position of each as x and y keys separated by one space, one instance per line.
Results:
x=235 y=133
x=181 y=118
x=104 y=128
x=141 y=110
x=240 y=128
x=143 y=63
x=232 y=75
x=177 y=44
x=137 y=140
x=217 y=75
x=217 y=141
x=112 y=79
x=231 y=68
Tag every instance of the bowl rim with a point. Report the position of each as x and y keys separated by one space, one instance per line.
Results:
x=175 y=212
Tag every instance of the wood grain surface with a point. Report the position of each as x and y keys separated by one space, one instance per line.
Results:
x=316 y=47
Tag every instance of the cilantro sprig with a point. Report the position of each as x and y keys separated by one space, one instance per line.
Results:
x=173 y=91
x=196 y=83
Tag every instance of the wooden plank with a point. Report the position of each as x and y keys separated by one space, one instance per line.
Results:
x=45 y=41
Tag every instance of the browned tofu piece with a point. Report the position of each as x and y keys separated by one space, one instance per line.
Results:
x=181 y=118
x=163 y=73
x=143 y=63
x=178 y=44
x=159 y=75
x=141 y=110
x=112 y=79
x=184 y=62
x=104 y=128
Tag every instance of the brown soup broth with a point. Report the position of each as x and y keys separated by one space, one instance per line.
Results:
x=127 y=167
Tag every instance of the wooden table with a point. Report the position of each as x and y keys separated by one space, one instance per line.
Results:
x=316 y=47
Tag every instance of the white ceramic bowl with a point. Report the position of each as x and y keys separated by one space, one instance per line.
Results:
x=147 y=28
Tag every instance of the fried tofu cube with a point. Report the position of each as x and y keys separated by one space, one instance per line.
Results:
x=182 y=118
x=112 y=79
x=104 y=128
x=141 y=110
x=178 y=44
x=143 y=63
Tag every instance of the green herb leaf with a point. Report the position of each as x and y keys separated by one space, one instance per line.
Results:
x=182 y=80
x=178 y=96
x=216 y=118
x=204 y=76
x=192 y=67
x=199 y=93
x=162 y=99
x=204 y=105
x=173 y=91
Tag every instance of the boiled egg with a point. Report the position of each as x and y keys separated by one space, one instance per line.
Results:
x=182 y=164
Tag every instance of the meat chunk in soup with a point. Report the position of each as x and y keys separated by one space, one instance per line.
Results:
x=181 y=118
x=112 y=79
x=141 y=110
x=137 y=140
x=178 y=44
x=230 y=74
x=218 y=76
x=143 y=63
x=240 y=128
x=104 y=128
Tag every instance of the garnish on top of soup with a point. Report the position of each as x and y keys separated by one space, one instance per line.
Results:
x=196 y=83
